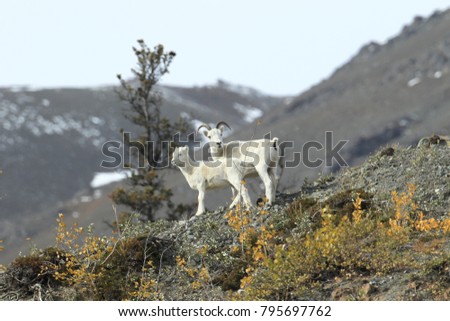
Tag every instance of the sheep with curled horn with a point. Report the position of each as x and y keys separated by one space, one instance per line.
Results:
x=263 y=156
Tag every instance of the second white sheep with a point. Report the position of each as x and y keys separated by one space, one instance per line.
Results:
x=202 y=176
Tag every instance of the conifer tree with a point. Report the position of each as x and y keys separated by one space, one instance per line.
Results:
x=149 y=148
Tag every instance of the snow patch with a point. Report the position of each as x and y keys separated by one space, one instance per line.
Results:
x=28 y=116
x=45 y=102
x=438 y=74
x=250 y=113
x=414 y=81
x=105 y=178
x=96 y=120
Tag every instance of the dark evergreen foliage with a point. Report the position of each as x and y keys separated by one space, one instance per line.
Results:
x=150 y=148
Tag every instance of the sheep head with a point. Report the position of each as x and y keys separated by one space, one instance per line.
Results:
x=180 y=156
x=214 y=135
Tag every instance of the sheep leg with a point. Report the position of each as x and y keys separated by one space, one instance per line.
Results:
x=279 y=169
x=246 y=197
x=201 y=202
x=233 y=192
x=241 y=194
x=274 y=174
x=235 y=201
x=268 y=184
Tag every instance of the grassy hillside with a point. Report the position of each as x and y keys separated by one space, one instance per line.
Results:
x=379 y=231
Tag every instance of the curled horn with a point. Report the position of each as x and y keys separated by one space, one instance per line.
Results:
x=222 y=123
x=204 y=125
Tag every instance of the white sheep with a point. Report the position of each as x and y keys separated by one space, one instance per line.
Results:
x=263 y=155
x=203 y=175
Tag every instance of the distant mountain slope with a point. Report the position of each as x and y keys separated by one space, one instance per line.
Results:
x=396 y=92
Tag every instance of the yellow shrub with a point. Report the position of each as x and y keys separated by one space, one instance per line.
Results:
x=96 y=265
x=145 y=286
x=291 y=270
x=408 y=215
x=198 y=278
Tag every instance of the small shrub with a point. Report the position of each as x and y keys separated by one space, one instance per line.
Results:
x=409 y=216
x=106 y=267
x=342 y=204
x=38 y=268
x=132 y=257
x=301 y=216
x=231 y=279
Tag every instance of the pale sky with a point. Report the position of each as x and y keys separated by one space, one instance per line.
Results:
x=280 y=47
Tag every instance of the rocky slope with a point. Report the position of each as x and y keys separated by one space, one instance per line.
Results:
x=360 y=242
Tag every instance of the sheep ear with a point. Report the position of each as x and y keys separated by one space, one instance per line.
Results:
x=205 y=132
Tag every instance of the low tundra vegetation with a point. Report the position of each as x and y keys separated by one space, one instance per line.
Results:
x=302 y=251
x=354 y=244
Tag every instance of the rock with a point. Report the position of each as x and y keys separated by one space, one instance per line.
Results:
x=427 y=142
x=387 y=152
x=367 y=289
